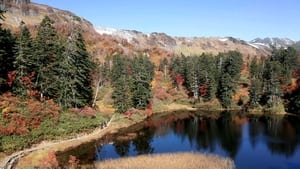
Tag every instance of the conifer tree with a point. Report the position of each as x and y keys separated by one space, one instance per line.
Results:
x=7 y=57
x=122 y=94
x=85 y=67
x=255 y=90
x=288 y=61
x=225 y=90
x=24 y=63
x=142 y=75
x=46 y=52
x=294 y=101
x=271 y=84
x=210 y=73
x=178 y=70
x=230 y=70
x=121 y=82
x=255 y=93
x=193 y=76
x=73 y=69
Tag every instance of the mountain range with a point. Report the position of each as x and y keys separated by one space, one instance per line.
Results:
x=102 y=41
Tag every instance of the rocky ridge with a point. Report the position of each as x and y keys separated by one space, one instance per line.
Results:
x=103 y=41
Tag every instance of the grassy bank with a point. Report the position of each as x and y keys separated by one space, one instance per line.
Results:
x=68 y=125
x=166 y=161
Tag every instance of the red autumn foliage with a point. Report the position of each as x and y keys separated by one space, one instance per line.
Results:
x=11 y=77
x=149 y=110
x=179 y=79
x=33 y=93
x=129 y=113
x=161 y=93
x=150 y=105
x=27 y=80
x=21 y=116
x=166 y=120
x=50 y=161
x=203 y=90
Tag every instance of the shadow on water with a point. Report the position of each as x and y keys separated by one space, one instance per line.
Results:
x=252 y=141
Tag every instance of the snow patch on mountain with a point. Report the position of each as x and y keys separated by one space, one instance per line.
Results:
x=223 y=39
x=124 y=34
x=276 y=42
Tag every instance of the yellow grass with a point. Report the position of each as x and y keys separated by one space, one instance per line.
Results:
x=169 y=161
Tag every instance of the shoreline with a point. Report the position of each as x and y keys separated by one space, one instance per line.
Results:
x=37 y=152
x=34 y=155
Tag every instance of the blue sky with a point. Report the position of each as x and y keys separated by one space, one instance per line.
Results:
x=245 y=19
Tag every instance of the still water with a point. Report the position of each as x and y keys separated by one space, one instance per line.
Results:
x=263 y=142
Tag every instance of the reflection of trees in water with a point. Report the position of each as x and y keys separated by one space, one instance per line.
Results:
x=122 y=147
x=85 y=153
x=283 y=148
x=143 y=141
x=207 y=134
x=282 y=135
x=163 y=129
x=191 y=130
x=255 y=129
x=229 y=134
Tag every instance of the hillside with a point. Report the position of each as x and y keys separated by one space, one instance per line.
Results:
x=184 y=45
x=107 y=41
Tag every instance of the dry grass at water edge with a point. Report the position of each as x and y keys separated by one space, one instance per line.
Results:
x=169 y=161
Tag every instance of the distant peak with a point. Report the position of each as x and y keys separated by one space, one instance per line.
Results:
x=274 y=41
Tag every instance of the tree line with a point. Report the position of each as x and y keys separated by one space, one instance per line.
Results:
x=270 y=79
x=131 y=79
x=208 y=77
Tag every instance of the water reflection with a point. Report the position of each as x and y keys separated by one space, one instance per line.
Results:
x=243 y=138
x=122 y=147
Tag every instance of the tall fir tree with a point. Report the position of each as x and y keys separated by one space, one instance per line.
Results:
x=193 y=76
x=225 y=90
x=122 y=94
x=142 y=75
x=255 y=93
x=85 y=66
x=255 y=90
x=230 y=70
x=24 y=63
x=46 y=52
x=209 y=80
x=122 y=82
x=178 y=69
x=288 y=61
x=7 y=57
x=73 y=73
x=271 y=84
x=294 y=100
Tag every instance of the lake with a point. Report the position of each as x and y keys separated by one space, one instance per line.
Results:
x=252 y=141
